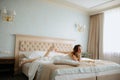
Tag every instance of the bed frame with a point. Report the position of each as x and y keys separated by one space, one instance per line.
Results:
x=36 y=43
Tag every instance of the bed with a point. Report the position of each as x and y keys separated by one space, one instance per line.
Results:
x=44 y=71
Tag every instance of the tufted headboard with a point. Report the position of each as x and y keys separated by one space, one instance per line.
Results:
x=35 y=43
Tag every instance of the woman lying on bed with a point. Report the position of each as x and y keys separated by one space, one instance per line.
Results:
x=75 y=54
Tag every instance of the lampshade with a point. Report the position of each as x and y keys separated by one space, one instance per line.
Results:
x=8 y=15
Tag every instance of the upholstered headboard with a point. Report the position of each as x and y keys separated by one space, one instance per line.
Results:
x=35 y=43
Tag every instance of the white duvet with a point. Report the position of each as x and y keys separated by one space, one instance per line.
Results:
x=37 y=63
x=85 y=66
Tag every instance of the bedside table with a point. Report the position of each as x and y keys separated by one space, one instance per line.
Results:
x=7 y=65
x=87 y=55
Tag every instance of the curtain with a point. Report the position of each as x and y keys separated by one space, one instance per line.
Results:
x=95 y=35
x=111 y=38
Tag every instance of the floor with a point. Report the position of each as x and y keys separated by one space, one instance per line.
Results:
x=7 y=76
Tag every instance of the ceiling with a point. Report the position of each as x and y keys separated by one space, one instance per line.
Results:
x=90 y=6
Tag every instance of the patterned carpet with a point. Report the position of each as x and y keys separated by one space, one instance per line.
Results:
x=7 y=76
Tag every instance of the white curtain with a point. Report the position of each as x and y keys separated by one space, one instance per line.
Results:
x=111 y=35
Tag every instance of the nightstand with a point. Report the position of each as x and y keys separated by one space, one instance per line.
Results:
x=87 y=55
x=7 y=65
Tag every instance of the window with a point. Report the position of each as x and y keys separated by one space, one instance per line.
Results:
x=111 y=31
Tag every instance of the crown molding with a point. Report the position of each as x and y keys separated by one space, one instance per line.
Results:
x=74 y=7
x=103 y=10
x=68 y=5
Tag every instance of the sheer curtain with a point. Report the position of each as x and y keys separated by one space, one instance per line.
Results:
x=111 y=32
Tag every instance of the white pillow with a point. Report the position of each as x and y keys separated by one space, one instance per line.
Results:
x=26 y=54
x=33 y=54
x=51 y=54
x=40 y=53
x=65 y=61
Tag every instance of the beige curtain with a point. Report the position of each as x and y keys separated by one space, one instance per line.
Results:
x=95 y=35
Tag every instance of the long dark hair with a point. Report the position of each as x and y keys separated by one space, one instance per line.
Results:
x=75 y=49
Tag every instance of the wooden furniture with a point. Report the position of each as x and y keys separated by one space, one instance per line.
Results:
x=7 y=65
x=87 y=55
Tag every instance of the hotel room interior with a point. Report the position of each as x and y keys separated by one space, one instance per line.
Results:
x=28 y=28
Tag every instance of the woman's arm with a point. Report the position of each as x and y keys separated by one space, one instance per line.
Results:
x=48 y=51
x=66 y=52
x=28 y=61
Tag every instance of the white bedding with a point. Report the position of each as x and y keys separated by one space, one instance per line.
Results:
x=84 y=75
x=71 y=76
x=25 y=68
x=87 y=66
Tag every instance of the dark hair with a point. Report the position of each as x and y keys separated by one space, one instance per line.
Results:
x=75 y=49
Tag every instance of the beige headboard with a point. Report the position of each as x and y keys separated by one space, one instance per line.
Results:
x=35 y=43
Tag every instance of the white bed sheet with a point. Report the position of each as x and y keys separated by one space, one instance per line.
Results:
x=116 y=71
x=26 y=66
x=81 y=75
x=71 y=76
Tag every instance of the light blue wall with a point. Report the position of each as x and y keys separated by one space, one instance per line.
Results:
x=35 y=17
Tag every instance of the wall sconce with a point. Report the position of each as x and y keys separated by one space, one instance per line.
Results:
x=80 y=27
x=8 y=15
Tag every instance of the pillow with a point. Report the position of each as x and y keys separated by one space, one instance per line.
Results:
x=51 y=54
x=26 y=54
x=42 y=53
x=63 y=61
x=33 y=54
